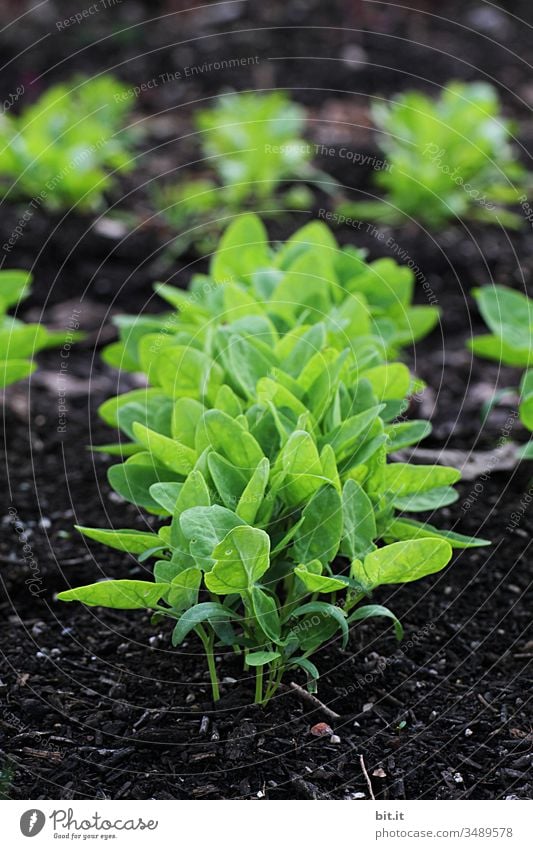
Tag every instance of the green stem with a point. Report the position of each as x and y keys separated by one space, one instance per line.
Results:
x=274 y=685
x=208 y=641
x=351 y=601
x=259 y=685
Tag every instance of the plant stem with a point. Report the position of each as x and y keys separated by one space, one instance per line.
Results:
x=259 y=685
x=208 y=641
x=274 y=683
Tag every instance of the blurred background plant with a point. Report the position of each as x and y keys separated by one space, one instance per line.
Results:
x=448 y=157
x=509 y=316
x=19 y=341
x=66 y=148
x=253 y=144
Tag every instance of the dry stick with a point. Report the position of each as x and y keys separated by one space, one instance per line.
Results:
x=487 y=704
x=312 y=700
x=367 y=777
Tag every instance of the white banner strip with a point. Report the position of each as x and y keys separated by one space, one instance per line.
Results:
x=172 y=824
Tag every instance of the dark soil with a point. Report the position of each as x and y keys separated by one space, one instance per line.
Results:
x=95 y=703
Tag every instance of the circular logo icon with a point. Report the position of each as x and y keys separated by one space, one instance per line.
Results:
x=32 y=822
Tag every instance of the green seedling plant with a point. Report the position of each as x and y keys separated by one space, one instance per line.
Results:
x=66 y=148
x=252 y=144
x=449 y=157
x=508 y=315
x=263 y=443
x=20 y=341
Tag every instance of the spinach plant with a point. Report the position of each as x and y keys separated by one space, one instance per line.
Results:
x=262 y=441
x=252 y=144
x=20 y=341
x=509 y=316
x=449 y=157
x=61 y=149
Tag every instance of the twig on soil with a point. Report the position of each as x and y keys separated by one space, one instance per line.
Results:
x=487 y=704
x=367 y=777
x=312 y=700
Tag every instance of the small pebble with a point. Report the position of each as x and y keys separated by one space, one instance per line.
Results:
x=379 y=773
x=468 y=732
x=458 y=778
x=321 y=729
x=229 y=680
x=335 y=739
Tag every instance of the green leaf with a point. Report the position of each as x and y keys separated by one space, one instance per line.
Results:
x=134 y=478
x=185 y=372
x=359 y=524
x=133 y=542
x=508 y=314
x=13 y=370
x=502 y=350
x=319 y=535
x=226 y=436
x=166 y=494
x=403 y=479
x=352 y=431
x=261 y=658
x=403 y=529
x=186 y=415
x=121 y=595
x=152 y=415
x=403 y=562
x=208 y=611
x=241 y=558
x=404 y=434
x=369 y=611
x=171 y=453
x=315 y=582
x=253 y=493
x=228 y=402
x=246 y=364
x=242 y=250
x=205 y=528
x=266 y=612
x=526 y=399
x=229 y=481
x=309 y=668
x=184 y=588
x=14 y=286
x=334 y=615
x=148 y=398
x=422 y=501
x=389 y=381
x=303 y=469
